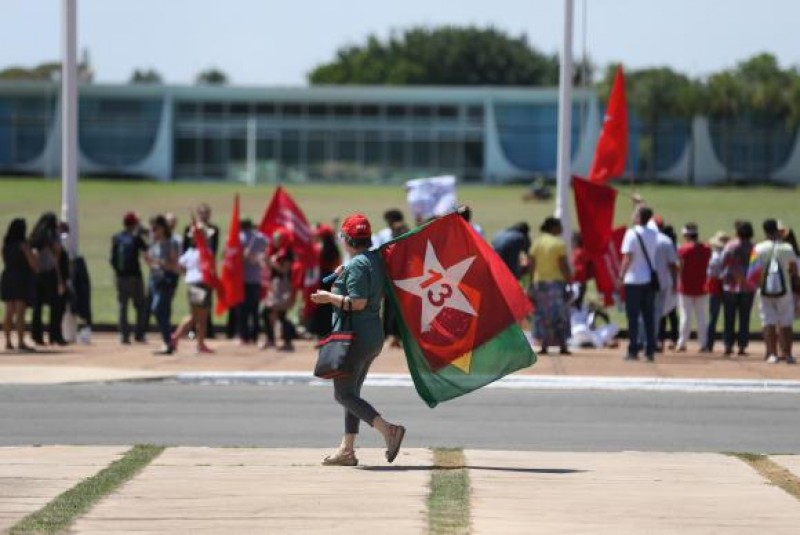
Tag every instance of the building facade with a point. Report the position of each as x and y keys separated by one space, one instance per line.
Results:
x=360 y=134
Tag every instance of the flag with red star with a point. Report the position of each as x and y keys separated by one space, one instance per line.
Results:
x=458 y=308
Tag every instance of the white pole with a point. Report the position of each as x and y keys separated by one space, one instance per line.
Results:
x=564 y=171
x=251 y=151
x=69 y=117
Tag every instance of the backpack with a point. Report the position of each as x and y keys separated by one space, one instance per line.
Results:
x=125 y=258
x=774 y=282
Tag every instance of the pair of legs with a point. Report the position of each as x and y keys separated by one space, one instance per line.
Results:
x=287 y=328
x=777 y=315
x=197 y=318
x=15 y=320
x=131 y=289
x=347 y=392
x=736 y=306
x=668 y=327
x=714 y=308
x=640 y=305
x=688 y=306
x=161 y=306
x=247 y=313
x=551 y=316
x=46 y=296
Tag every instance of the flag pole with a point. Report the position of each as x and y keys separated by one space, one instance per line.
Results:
x=69 y=117
x=563 y=170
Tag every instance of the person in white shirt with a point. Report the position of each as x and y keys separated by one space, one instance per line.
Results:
x=198 y=294
x=637 y=274
x=392 y=217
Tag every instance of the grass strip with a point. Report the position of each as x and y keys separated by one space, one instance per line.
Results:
x=448 y=502
x=772 y=472
x=64 y=509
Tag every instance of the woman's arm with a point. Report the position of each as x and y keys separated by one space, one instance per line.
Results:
x=322 y=297
x=563 y=265
x=30 y=256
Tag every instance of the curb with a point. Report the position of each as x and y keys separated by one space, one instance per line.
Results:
x=519 y=382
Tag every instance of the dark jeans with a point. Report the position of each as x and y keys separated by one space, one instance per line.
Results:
x=347 y=391
x=672 y=318
x=162 y=309
x=131 y=288
x=735 y=305
x=714 y=306
x=47 y=296
x=639 y=304
x=247 y=312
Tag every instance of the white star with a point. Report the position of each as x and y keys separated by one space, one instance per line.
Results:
x=438 y=287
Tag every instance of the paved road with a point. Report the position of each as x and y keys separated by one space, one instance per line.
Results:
x=304 y=416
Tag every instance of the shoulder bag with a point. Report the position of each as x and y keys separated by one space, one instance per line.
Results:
x=333 y=359
x=654 y=284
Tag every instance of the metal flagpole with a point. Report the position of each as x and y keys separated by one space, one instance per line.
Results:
x=69 y=118
x=564 y=170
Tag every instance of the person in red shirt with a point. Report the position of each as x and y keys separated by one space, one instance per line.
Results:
x=693 y=258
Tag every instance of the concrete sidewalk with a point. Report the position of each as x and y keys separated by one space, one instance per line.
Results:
x=245 y=490
x=106 y=360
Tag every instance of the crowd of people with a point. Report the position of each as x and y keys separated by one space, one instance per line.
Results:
x=667 y=286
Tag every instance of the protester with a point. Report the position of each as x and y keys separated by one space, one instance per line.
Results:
x=668 y=326
x=738 y=294
x=666 y=266
x=48 y=280
x=466 y=212
x=692 y=295
x=714 y=287
x=773 y=263
x=16 y=283
x=318 y=316
x=391 y=217
x=637 y=273
x=788 y=236
x=126 y=247
x=583 y=270
x=281 y=292
x=198 y=295
x=359 y=289
x=513 y=244
x=162 y=257
x=254 y=247
x=172 y=222
x=550 y=273
x=203 y=219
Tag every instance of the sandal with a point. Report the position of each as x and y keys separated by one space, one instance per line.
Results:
x=395 y=440
x=341 y=459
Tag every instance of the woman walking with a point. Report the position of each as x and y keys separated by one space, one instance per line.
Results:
x=162 y=257
x=16 y=283
x=49 y=281
x=199 y=297
x=359 y=289
x=550 y=271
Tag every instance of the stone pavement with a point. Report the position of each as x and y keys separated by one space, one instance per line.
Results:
x=32 y=476
x=246 y=490
x=106 y=360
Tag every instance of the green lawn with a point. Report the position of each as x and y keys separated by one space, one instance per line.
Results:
x=103 y=202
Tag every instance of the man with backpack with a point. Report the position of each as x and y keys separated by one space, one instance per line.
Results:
x=772 y=264
x=125 y=249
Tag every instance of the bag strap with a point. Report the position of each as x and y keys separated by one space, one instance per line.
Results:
x=644 y=250
x=346 y=313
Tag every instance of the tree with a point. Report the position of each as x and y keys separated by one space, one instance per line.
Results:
x=146 y=76
x=212 y=76
x=447 y=55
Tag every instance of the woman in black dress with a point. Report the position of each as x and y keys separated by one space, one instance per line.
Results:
x=48 y=282
x=16 y=283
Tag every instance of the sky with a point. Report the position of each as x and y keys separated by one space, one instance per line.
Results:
x=274 y=42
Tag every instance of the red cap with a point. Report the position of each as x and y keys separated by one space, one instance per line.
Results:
x=357 y=227
x=130 y=219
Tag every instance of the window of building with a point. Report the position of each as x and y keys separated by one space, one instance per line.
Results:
x=396 y=111
x=317 y=111
x=421 y=112
x=239 y=110
x=447 y=112
x=369 y=111
x=344 y=111
x=265 y=110
x=187 y=110
x=421 y=154
x=213 y=110
x=290 y=147
x=475 y=114
x=292 y=109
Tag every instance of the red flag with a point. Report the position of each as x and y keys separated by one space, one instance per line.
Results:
x=232 y=278
x=283 y=213
x=606 y=266
x=594 y=204
x=208 y=265
x=452 y=289
x=612 y=147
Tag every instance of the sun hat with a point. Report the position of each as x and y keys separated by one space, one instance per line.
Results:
x=719 y=239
